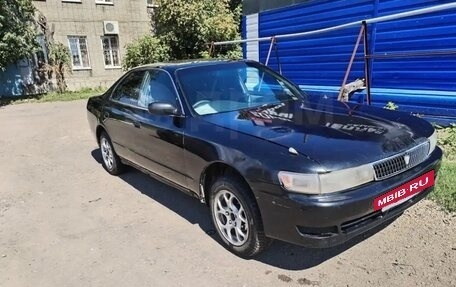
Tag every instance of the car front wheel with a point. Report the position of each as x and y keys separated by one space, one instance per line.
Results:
x=236 y=217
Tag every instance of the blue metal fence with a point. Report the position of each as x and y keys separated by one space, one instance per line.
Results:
x=420 y=84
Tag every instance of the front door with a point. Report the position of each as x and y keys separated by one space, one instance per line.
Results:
x=160 y=138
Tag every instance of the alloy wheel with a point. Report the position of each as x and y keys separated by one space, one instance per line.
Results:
x=106 y=152
x=231 y=218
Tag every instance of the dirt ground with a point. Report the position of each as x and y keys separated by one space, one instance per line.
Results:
x=65 y=222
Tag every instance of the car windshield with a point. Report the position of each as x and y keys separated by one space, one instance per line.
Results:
x=234 y=86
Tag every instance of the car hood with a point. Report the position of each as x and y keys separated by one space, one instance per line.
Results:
x=337 y=135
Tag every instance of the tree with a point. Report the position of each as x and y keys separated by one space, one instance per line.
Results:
x=145 y=50
x=17 y=32
x=59 y=64
x=188 y=26
x=235 y=5
x=184 y=29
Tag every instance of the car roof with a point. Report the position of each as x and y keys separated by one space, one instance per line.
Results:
x=172 y=66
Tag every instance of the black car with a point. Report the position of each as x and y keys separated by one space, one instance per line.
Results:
x=270 y=161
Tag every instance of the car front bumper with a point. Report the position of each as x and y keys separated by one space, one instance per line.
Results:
x=330 y=220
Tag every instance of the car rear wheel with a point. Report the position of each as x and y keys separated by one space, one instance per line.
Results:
x=236 y=217
x=111 y=161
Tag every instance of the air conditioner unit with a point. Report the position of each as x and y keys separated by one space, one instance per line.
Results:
x=111 y=27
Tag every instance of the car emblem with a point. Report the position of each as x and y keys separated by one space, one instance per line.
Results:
x=407 y=159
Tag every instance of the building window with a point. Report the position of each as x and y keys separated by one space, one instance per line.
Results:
x=79 y=52
x=72 y=1
x=151 y=4
x=105 y=2
x=111 y=51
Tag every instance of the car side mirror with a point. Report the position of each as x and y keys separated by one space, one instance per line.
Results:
x=163 y=109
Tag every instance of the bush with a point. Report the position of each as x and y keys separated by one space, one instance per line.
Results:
x=231 y=53
x=146 y=50
x=447 y=140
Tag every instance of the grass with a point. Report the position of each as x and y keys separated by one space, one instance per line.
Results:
x=447 y=140
x=445 y=191
x=82 y=94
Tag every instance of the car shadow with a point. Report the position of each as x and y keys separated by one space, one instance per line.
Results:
x=280 y=254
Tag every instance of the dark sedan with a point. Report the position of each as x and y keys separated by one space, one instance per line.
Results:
x=270 y=161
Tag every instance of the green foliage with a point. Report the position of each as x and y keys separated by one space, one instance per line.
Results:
x=391 y=106
x=146 y=50
x=445 y=190
x=236 y=5
x=232 y=53
x=184 y=29
x=17 y=32
x=187 y=27
x=59 y=64
x=447 y=140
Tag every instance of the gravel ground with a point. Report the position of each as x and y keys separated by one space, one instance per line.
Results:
x=65 y=222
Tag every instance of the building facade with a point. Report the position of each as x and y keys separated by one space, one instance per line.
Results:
x=413 y=61
x=96 y=32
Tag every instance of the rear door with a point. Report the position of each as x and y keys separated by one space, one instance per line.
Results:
x=119 y=115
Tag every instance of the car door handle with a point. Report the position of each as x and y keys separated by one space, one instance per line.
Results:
x=137 y=125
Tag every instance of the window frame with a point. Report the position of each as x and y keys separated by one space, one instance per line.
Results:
x=172 y=88
x=108 y=67
x=123 y=81
x=145 y=69
x=71 y=1
x=80 y=68
x=104 y=2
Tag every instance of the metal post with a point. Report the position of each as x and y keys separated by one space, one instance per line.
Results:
x=367 y=73
x=267 y=61
x=350 y=64
x=270 y=50
x=211 y=50
x=279 y=65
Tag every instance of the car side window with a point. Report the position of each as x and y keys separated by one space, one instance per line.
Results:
x=129 y=90
x=157 y=87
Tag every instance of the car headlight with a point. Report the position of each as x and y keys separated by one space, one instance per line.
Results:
x=432 y=142
x=327 y=182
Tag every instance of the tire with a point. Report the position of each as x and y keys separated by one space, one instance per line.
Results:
x=110 y=160
x=235 y=214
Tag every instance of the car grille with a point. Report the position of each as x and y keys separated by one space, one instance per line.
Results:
x=394 y=165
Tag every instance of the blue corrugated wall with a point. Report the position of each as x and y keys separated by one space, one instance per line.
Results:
x=423 y=85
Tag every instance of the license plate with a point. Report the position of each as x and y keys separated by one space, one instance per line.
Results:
x=404 y=192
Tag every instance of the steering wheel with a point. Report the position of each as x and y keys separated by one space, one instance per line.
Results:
x=199 y=103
